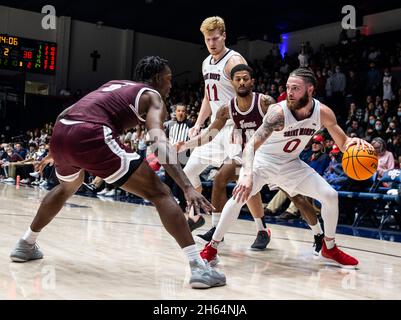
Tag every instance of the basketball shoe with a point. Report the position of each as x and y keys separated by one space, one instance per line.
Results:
x=24 y=251
x=203 y=277
x=206 y=237
x=209 y=253
x=262 y=240
x=317 y=246
x=195 y=225
x=337 y=257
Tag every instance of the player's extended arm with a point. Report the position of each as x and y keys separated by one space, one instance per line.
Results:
x=208 y=134
x=166 y=153
x=272 y=121
x=329 y=121
x=204 y=113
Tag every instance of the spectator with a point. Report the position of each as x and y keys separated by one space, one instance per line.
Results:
x=395 y=148
x=355 y=129
x=373 y=80
x=303 y=57
x=334 y=173
x=282 y=93
x=386 y=158
x=338 y=84
x=389 y=85
x=379 y=130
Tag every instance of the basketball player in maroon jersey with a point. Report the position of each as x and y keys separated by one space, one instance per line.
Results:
x=246 y=110
x=85 y=137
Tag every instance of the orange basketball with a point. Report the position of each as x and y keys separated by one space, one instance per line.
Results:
x=359 y=164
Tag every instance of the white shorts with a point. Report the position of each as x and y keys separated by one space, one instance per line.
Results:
x=219 y=150
x=288 y=176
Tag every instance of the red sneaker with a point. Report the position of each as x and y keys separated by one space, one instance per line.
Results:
x=338 y=257
x=210 y=254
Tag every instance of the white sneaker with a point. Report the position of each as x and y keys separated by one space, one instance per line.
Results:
x=34 y=174
x=9 y=179
x=43 y=183
x=24 y=181
x=110 y=193
x=103 y=192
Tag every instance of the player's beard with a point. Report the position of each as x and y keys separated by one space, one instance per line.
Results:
x=244 y=94
x=296 y=105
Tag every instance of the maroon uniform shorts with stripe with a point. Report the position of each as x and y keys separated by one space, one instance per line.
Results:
x=77 y=145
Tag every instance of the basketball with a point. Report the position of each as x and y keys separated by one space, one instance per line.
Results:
x=359 y=164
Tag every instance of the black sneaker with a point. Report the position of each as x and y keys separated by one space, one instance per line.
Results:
x=206 y=237
x=318 y=244
x=262 y=240
x=195 y=225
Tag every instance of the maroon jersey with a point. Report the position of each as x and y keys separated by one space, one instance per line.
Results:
x=115 y=105
x=246 y=122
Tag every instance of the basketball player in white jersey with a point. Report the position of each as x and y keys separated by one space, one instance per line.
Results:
x=246 y=110
x=216 y=70
x=271 y=157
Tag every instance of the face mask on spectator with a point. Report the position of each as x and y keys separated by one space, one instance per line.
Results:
x=10 y=153
x=378 y=128
x=387 y=74
x=372 y=121
x=399 y=114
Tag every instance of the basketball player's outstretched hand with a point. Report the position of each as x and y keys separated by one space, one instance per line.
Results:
x=243 y=189
x=198 y=201
x=44 y=162
x=194 y=131
x=360 y=144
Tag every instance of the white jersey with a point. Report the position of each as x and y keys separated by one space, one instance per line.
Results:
x=218 y=85
x=286 y=145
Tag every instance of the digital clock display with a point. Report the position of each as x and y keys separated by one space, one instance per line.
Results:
x=27 y=55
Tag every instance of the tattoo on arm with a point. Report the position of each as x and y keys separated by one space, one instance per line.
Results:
x=273 y=121
x=223 y=113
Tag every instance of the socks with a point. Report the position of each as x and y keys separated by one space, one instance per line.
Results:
x=316 y=229
x=215 y=244
x=193 y=254
x=30 y=236
x=215 y=218
x=329 y=243
x=260 y=224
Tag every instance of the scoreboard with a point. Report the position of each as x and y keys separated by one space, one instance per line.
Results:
x=27 y=55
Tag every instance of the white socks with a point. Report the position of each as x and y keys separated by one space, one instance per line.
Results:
x=316 y=229
x=193 y=253
x=329 y=243
x=215 y=218
x=260 y=224
x=30 y=236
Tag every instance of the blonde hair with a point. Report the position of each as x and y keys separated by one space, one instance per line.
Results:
x=213 y=23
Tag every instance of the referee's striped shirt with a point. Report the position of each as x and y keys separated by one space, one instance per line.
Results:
x=177 y=131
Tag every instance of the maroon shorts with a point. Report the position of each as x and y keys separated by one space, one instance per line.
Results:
x=92 y=147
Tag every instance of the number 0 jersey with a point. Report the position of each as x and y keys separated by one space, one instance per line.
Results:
x=218 y=85
x=286 y=145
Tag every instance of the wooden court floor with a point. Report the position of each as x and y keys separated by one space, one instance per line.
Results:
x=104 y=249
